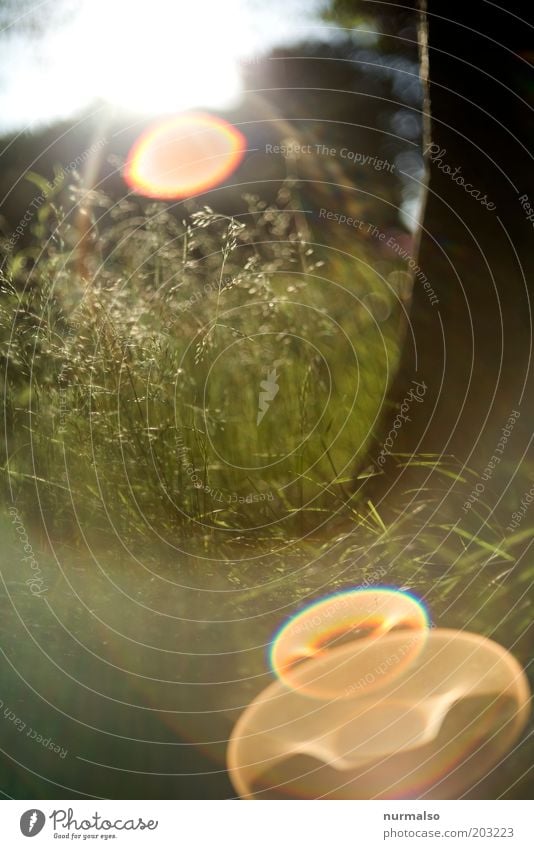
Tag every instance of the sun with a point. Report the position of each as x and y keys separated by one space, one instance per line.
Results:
x=157 y=57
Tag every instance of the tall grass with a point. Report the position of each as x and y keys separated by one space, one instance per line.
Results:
x=138 y=344
x=134 y=362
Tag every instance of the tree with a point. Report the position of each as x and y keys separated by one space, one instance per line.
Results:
x=473 y=350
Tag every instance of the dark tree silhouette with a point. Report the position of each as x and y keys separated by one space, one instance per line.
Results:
x=474 y=351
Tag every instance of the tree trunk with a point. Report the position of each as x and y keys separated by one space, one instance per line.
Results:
x=473 y=349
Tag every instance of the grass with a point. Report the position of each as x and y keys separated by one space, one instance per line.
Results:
x=136 y=359
x=135 y=362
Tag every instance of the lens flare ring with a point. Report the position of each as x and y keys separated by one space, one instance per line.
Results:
x=184 y=156
x=360 y=615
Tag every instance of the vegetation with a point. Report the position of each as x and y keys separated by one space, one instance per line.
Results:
x=136 y=346
x=135 y=361
x=137 y=356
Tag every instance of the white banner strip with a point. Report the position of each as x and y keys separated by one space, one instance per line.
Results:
x=268 y=824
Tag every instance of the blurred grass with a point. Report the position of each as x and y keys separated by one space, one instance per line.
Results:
x=135 y=361
x=135 y=358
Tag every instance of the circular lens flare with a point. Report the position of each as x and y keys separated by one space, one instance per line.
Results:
x=184 y=156
x=356 y=615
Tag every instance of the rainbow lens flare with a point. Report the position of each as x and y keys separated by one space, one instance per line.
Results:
x=184 y=156
x=430 y=732
x=358 y=616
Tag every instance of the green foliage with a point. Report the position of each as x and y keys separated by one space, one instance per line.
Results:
x=138 y=354
x=135 y=361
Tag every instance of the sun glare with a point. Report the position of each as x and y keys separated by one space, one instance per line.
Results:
x=152 y=57
x=148 y=58
x=173 y=57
